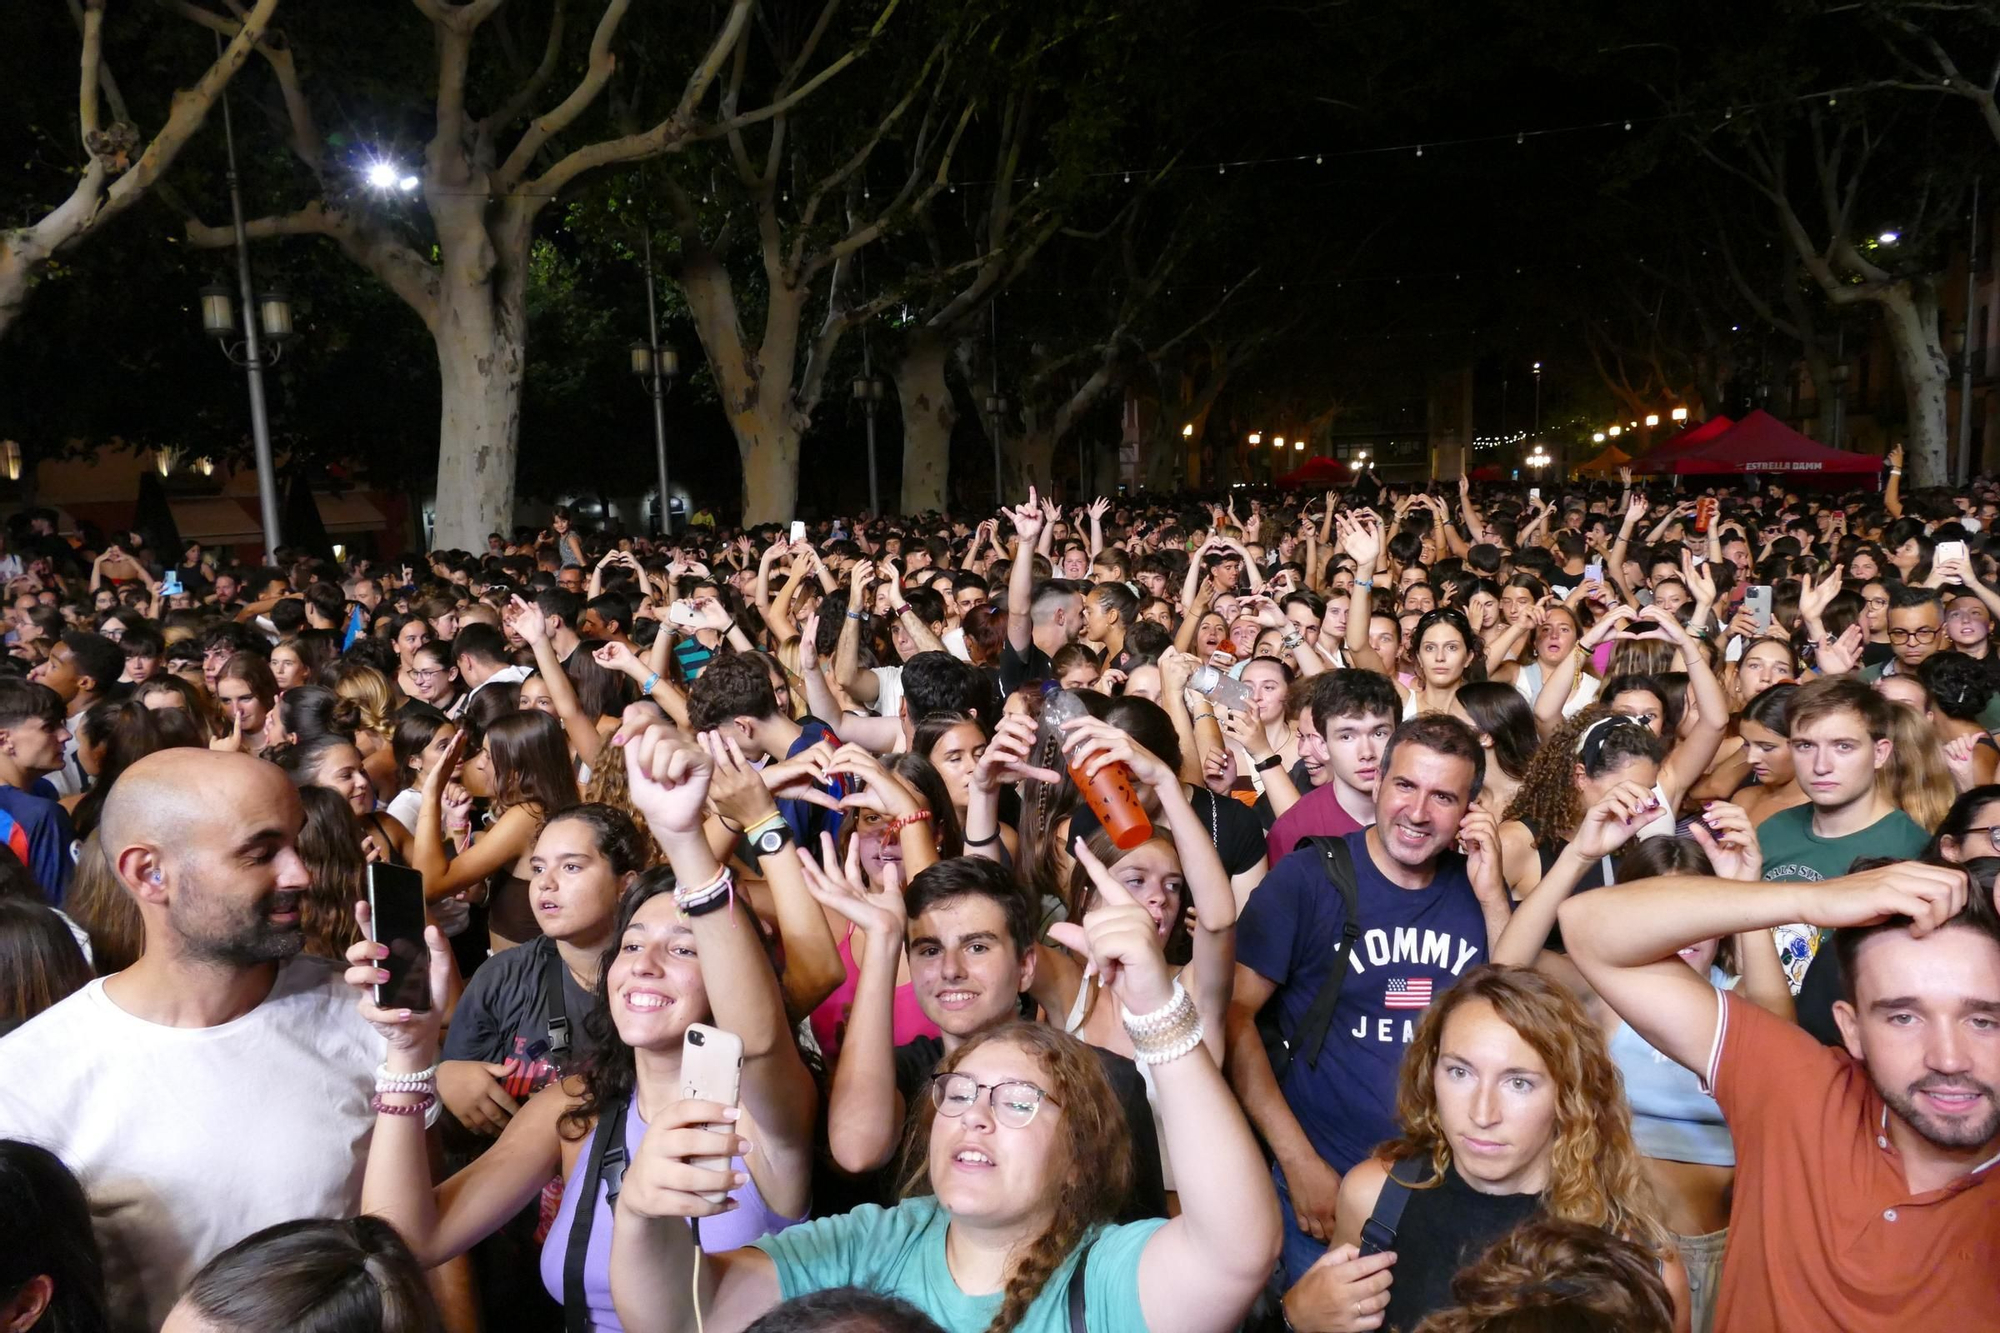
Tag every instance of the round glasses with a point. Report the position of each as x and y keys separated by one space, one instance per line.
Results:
x=1923 y=635
x=1014 y=1101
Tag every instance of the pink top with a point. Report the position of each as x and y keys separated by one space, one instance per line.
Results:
x=829 y=1021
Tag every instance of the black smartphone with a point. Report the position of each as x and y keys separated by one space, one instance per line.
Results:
x=396 y=906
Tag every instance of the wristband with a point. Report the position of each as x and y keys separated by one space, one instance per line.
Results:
x=766 y=822
x=895 y=610
x=1364 y=583
x=1274 y=761
x=650 y=682
x=422 y=1108
x=986 y=841
x=901 y=822
x=857 y=615
x=417 y=1082
x=706 y=898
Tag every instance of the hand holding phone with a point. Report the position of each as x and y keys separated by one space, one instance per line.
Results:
x=712 y=1071
x=798 y=531
x=396 y=916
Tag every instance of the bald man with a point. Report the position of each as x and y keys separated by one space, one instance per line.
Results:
x=220 y=1084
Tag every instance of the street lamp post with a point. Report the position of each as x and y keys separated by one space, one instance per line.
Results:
x=272 y=320
x=995 y=406
x=658 y=366
x=868 y=392
x=1538 y=399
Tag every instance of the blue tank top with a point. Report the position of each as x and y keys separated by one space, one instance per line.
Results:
x=1672 y=1118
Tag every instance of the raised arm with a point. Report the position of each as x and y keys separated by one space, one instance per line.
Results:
x=865 y=1112
x=1096 y=510
x=1892 y=492
x=1021 y=574
x=862 y=685
x=1215 y=1257
x=532 y=626
x=669 y=784
x=1606 y=827
x=1634 y=507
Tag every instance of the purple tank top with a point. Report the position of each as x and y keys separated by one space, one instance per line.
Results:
x=728 y=1231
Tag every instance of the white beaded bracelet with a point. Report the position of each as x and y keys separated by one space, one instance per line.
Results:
x=422 y=1081
x=1160 y=1019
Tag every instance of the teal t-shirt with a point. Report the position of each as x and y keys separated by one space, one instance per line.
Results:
x=900 y=1252
x=1792 y=851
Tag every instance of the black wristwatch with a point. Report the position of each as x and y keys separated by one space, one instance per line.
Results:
x=770 y=840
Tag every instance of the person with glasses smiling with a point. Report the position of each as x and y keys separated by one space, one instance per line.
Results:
x=1026 y=1162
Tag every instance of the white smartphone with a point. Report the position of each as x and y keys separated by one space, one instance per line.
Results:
x=1535 y=494
x=1948 y=551
x=1594 y=571
x=712 y=1071
x=1757 y=601
x=798 y=531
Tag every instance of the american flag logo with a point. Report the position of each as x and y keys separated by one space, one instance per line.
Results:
x=1408 y=993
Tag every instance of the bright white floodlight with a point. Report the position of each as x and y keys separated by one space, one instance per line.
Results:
x=383 y=176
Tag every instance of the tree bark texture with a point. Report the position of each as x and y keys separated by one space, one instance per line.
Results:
x=929 y=414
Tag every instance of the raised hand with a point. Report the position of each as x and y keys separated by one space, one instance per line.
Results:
x=1120 y=940
x=845 y=889
x=1027 y=518
x=1090 y=743
x=735 y=788
x=1610 y=823
x=1008 y=757
x=411 y=1030
x=1843 y=654
x=668 y=780
x=527 y=620
x=663 y=1180
x=1096 y=508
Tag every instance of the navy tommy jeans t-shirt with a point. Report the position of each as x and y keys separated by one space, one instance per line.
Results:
x=1414 y=945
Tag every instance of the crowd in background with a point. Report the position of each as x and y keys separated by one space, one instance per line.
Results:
x=1448 y=907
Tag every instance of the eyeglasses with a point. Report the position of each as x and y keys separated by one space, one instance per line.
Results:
x=1971 y=839
x=425 y=675
x=1014 y=1101
x=1924 y=635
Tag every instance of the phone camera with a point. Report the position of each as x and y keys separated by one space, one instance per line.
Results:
x=695 y=1038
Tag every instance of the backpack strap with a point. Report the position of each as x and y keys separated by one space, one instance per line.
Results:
x=607 y=1165
x=1378 y=1233
x=1339 y=862
x=1074 y=1293
x=549 y=1003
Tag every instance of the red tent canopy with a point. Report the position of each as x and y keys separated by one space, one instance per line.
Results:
x=1762 y=443
x=1486 y=472
x=1656 y=459
x=1316 y=472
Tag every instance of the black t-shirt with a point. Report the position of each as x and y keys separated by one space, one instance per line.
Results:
x=499 y=1017
x=1232 y=825
x=1016 y=669
x=917 y=1060
x=1817 y=993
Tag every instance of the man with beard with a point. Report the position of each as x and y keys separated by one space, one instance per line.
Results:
x=1426 y=914
x=1865 y=1195
x=220 y=1084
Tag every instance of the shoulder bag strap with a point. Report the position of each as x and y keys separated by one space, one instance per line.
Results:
x=555 y=1013
x=607 y=1165
x=1339 y=862
x=1378 y=1233
x=1075 y=1292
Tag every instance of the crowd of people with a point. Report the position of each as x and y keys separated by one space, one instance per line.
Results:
x=1438 y=908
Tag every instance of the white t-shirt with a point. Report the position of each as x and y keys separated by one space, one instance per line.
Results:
x=186 y=1140
x=888 y=690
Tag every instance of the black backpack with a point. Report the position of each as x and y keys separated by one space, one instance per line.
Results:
x=1311 y=1033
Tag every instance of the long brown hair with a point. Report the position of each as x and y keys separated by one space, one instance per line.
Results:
x=1595 y=1175
x=330 y=846
x=1089 y=1175
x=531 y=763
x=40 y=962
x=99 y=903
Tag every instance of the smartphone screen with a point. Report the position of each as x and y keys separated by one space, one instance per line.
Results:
x=798 y=531
x=1594 y=571
x=1535 y=493
x=396 y=905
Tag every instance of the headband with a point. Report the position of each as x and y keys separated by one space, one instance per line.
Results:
x=1591 y=743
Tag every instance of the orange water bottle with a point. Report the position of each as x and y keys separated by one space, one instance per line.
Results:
x=1112 y=794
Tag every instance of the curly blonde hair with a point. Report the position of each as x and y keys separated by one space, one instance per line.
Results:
x=1091 y=1171
x=1595 y=1175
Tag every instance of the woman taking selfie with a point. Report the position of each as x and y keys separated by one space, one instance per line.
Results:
x=1023 y=1152
x=678 y=956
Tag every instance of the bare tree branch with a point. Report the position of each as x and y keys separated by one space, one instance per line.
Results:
x=516 y=106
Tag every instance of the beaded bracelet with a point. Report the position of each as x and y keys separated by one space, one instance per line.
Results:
x=418 y=1082
x=707 y=897
x=901 y=822
x=1167 y=1033
x=422 y=1108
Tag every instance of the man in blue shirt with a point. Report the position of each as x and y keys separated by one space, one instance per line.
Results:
x=735 y=697
x=32 y=736
x=1428 y=913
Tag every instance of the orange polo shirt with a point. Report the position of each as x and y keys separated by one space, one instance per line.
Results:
x=1823 y=1232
